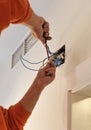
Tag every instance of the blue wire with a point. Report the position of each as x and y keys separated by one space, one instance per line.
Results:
x=34 y=62
x=42 y=61
x=21 y=59
x=26 y=66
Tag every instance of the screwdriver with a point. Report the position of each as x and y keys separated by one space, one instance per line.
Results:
x=46 y=44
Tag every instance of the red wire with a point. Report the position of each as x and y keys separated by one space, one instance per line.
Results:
x=47 y=51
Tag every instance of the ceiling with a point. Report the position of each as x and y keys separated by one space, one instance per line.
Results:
x=86 y=92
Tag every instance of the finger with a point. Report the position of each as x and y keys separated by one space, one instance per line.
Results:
x=40 y=36
x=50 y=73
x=46 y=24
x=46 y=34
x=51 y=64
x=48 y=38
x=51 y=69
x=46 y=29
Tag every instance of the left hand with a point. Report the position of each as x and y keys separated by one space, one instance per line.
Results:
x=46 y=75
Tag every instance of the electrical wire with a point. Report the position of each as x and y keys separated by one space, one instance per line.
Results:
x=47 y=50
x=27 y=66
x=42 y=61
x=33 y=62
x=55 y=57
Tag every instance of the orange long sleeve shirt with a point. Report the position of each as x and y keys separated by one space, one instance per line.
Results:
x=13 y=118
x=14 y=11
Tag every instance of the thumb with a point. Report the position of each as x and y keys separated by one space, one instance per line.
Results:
x=50 y=64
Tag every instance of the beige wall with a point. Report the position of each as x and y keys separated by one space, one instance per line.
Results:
x=70 y=24
x=81 y=112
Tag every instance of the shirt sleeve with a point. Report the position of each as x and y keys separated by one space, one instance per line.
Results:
x=16 y=117
x=21 y=11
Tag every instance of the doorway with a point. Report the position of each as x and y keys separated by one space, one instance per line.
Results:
x=79 y=109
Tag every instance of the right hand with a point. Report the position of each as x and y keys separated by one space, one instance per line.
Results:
x=39 y=27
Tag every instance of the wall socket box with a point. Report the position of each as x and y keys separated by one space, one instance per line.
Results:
x=24 y=47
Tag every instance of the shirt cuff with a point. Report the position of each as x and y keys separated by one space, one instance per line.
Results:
x=21 y=112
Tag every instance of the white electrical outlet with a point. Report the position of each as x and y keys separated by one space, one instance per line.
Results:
x=25 y=46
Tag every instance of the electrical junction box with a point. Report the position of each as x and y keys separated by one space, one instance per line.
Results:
x=59 y=56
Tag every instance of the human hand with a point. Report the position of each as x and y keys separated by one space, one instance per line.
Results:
x=46 y=75
x=39 y=27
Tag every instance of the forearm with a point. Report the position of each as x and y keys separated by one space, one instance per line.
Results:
x=31 y=22
x=44 y=77
x=31 y=97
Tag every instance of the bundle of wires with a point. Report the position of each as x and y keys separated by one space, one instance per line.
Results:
x=43 y=62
